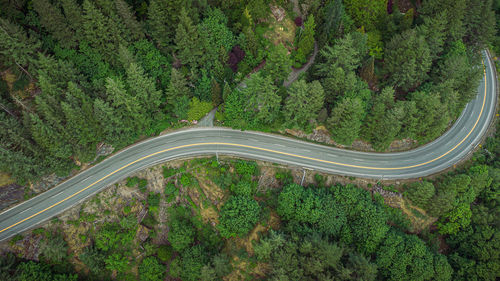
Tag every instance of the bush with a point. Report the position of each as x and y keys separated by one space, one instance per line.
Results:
x=132 y=182
x=238 y=216
x=151 y=270
x=198 y=109
x=181 y=234
x=164 y=253
x=142 y=185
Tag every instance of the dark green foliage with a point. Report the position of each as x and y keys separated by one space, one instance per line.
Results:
x=407 y=59
x=303 y=103
x=345 y=120
x=238 y=216
x=54 y=249
x=28 y=271
x=181 y=234
x=192 y=261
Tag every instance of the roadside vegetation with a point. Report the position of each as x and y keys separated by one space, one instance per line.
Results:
x=207 y=220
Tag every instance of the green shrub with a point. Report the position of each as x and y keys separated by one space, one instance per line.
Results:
x=198 y=109
x=238 y=216
x=132 y=182
x=164 y=252
x=142 y=185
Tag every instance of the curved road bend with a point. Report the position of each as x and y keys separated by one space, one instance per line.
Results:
x=447 y=150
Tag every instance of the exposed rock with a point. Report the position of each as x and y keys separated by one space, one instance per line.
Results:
x=142 y=233
x=278 y=13
x=10 y=194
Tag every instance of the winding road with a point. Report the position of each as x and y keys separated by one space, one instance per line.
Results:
x=434 y=157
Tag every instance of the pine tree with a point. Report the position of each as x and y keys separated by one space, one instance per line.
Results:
x=262 y=100
x=187 y=41
x=16 y=48
x=54 y=22
x=278 y=64
x=73 y=14
x=162 y=20
x=345 y=120
x=407 y=60
x=434 y=33
x=178 y=93
x=384 y=117
x=332 y=21
x=479 y=23
x=128 y=18
x=306 y=42
x=303 y=103
x=101 y=32
x=144 y=91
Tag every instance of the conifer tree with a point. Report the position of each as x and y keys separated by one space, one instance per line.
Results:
x=128 y=19
x=54 y=22
x=304 y=102
x=73 y=14
x=178 y=93
x=306 y=42
x=187 y=41
x=345 y=120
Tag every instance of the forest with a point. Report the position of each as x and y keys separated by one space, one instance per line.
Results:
x=77 y=75
x=230 y=219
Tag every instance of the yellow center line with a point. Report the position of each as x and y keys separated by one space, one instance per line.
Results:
x=261 y=149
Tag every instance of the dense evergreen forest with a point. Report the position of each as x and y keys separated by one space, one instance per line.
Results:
x=78 y=74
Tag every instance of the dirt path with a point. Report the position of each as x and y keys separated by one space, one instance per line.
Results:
x=296 y=72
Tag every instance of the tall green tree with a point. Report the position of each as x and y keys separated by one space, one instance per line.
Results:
x=278 y=64
x=366 y=13
x=187 y=41
x=304 y=102
x=385 y=116
x=55 y=23
x=407 y=60
x=127 y=17
x=102 y=33
x=345 y=120
x=178 y=94
x=263 y=102
x=306 y=40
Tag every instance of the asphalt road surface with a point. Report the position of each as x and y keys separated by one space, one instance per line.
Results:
x=444 y=152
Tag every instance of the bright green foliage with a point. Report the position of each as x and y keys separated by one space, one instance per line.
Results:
x=151 y=270
x=407 y=59
x=420 y=192
x=181 y=234
x=243 y=188
x=303 y=103
x=117 y=262
x=154 y=63
x=405 y=257
x=198 y=109
x=278 y=64
x=345 y=120
x=238 y=216
x=306 y=41
x=455 y=219
x=192 y=262
x=366 y=13
x=187 y=41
